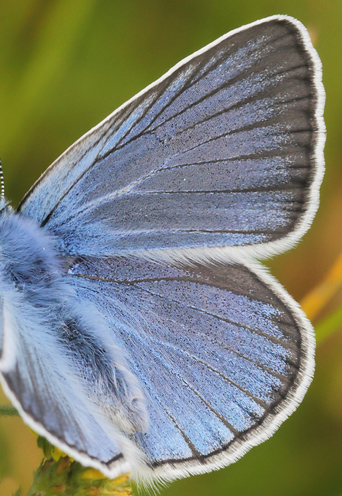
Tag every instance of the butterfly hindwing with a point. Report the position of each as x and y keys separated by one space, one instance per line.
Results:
x=43 y=384
x=222 y=352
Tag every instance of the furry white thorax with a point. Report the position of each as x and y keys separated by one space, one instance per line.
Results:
x=28 y=261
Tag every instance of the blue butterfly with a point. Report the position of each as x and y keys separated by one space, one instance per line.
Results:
x=138 y=330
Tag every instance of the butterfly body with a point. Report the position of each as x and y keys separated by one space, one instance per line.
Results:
x=37 y=289
x=21 y=241
x=139 y=330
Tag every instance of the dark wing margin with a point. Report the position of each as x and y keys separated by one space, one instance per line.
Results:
x=225 y=151
x=223 y=353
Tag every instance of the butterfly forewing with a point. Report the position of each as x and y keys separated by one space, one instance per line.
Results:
x=219 y=152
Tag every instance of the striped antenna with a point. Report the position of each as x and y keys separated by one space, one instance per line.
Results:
x=2 y=182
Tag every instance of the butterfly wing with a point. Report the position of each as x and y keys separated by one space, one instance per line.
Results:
x=40 y=382
x=223 y=353
x=67 y=385
x=225 y=150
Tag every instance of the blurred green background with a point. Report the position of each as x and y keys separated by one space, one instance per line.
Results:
x=64 y=66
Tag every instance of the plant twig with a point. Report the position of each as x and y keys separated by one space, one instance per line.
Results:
x=316 y=300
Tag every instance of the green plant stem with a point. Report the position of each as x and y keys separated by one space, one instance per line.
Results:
x=8 y=411
x=327 y=326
